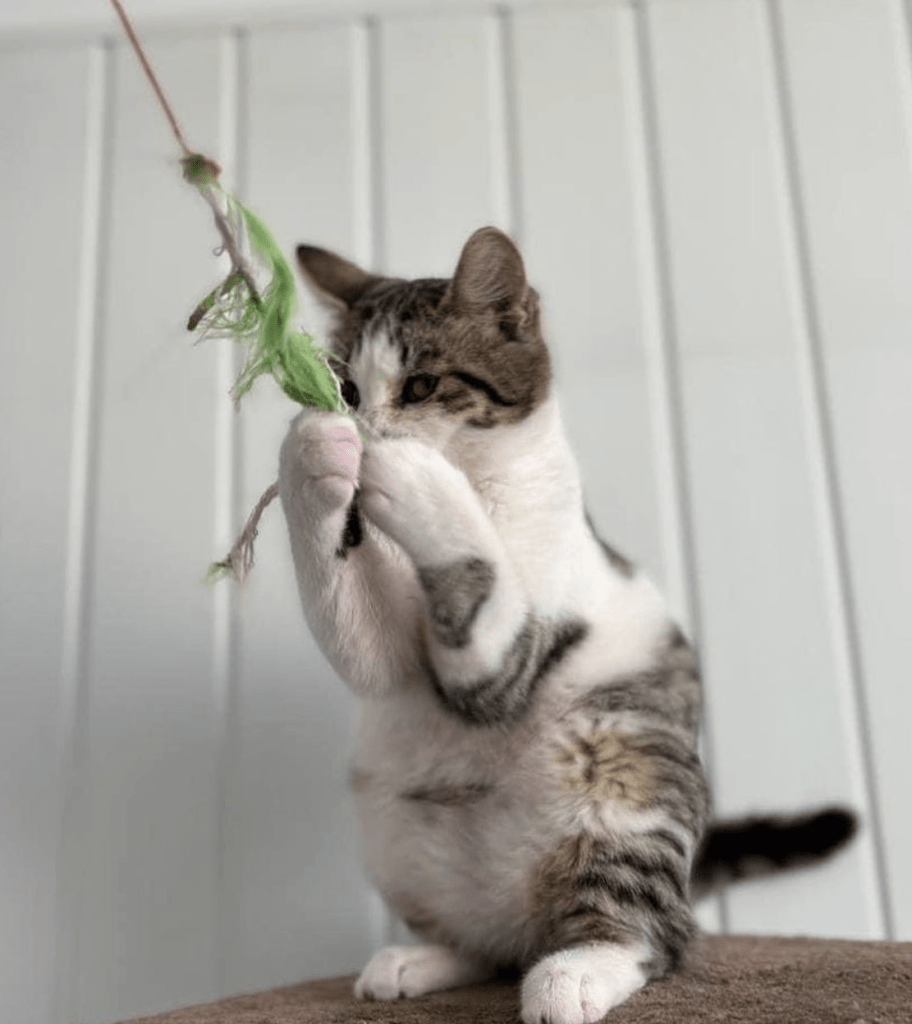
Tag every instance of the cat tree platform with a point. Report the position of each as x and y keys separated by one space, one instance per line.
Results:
x=729 y=980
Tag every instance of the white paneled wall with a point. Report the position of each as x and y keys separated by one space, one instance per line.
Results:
x=715 y=199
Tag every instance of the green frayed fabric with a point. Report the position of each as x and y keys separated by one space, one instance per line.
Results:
x=264 y=323
x=299 y=367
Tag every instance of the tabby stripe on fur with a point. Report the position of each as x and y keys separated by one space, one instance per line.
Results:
x=455 y=595
x=668 y=839
x=669 y=692
x=563 y=846
x=450 y=795
x=615 y=890
x=475 y=382
x=507 y=695
x=679 y=780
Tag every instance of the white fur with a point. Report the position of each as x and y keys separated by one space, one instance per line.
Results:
x=427 y=505
x=512 y=496
x=405 y=971
x=376 y=368
x=317 y=478
x=579 y=986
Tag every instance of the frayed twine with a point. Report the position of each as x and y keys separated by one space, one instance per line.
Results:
x=239 y=560
x=261 y=320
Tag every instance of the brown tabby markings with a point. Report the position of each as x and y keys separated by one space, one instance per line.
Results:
x=450 y=795
x=493 y=366
x=669 y=692
x=607 y=766
x=613 y=889
x=507 y=694
x=563 y=918
x=455 y=595
x=474 y=343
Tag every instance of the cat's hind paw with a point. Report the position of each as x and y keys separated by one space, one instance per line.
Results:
x=398 y=972
x=580 y=985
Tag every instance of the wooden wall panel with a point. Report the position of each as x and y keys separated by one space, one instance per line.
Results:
x=298 y=901
x=849 y=76
x=147 y=799
x=44 y=112
x=714 y=200
x=579 y=234
x=436 y=81
x=778 y=720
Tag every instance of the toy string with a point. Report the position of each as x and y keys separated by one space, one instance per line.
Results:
x=153 y=80
x=236 y=308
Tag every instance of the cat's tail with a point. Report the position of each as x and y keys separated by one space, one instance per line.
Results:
x=761 y=845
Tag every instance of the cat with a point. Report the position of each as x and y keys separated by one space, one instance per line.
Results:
x=527 y=781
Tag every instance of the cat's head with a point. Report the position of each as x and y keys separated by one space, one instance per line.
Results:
x=435 y=358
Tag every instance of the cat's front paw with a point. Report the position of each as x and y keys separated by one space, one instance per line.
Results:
x=398 y=972
x=320 y=459
x=580 y=985
x=420 y=500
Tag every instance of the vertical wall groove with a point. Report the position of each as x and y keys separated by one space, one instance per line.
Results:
x=823 y=458
x=662 y=345
x=367 y=144
x=364 y=148
x=367 y=197
x=227 y=478
x=903 y=16
x=74 y=682
x=503 y=122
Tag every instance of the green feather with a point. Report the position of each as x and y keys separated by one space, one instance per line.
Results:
x=299 y=367
x=265 y=324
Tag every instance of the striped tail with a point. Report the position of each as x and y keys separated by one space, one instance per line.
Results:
x=762 y=845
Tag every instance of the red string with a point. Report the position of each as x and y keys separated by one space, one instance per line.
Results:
x=150 y=74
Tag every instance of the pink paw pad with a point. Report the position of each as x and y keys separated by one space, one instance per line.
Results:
x=346 y=446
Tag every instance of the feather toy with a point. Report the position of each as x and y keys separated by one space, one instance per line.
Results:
x=237 y=309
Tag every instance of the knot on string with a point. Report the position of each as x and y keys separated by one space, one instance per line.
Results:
x=200 y=170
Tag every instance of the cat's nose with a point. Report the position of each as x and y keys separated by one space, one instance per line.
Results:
x=370 y=418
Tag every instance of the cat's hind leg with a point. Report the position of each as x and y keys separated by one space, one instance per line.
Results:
x=614 y=914
x=397 y=972
x=580 y=985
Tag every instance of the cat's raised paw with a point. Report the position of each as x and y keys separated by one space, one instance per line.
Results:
x=321 y=458
x=419 y=499
x=399 y=972
x=580 y=985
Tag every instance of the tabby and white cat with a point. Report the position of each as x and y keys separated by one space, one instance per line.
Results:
x=526 y=775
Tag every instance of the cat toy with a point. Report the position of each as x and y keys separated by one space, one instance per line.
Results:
x=263 y=321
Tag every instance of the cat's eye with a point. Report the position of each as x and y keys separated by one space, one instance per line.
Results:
x=419 y=387
x=351 y=394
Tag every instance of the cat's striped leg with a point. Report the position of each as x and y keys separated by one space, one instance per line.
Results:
x=487 y=650
x=353 y=592
x=613 y=912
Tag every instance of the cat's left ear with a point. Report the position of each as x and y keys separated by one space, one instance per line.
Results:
x=491 y=275
x=335 y=281
x=490 y=272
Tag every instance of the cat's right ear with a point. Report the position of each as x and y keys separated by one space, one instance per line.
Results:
x=334 y=281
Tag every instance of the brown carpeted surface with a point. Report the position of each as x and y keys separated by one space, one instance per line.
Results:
x=730 y=979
